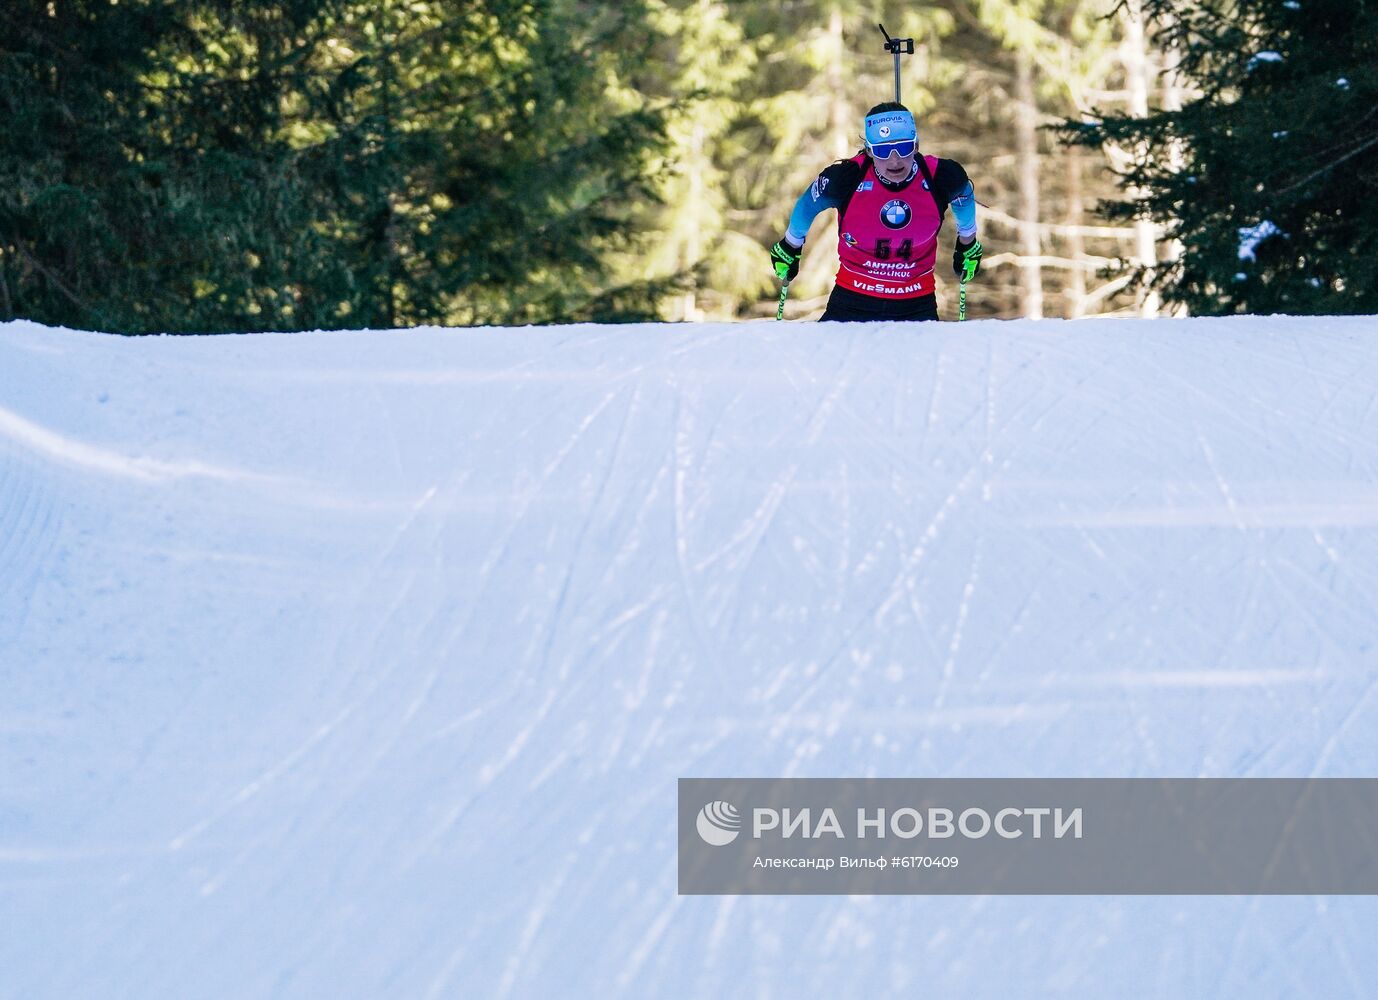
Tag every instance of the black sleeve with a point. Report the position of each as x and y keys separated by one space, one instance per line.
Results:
x=949 y=181
x=833 y=188
x=838 y=182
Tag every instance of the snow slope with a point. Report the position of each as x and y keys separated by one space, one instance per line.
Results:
x=364 y=664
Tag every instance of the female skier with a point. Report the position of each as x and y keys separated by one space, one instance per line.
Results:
x=890 y=202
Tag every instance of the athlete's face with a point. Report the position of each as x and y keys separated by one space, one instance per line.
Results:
x=895 y=167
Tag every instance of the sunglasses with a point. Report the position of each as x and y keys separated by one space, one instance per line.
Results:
x=882 y=150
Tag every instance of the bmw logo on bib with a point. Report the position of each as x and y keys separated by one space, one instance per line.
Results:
x=895 y=214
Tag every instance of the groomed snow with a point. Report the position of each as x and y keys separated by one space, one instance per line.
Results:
x=365 y=664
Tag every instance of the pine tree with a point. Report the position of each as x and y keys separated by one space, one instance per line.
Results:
x=1269 y=176
x=145 y=183
x=508 y=167
x=699 y=63
x=214 y=165
x=1060 y=56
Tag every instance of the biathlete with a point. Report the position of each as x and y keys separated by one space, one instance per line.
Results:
x=890 y=201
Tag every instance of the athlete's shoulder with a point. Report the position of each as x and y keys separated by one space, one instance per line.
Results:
x=841 y=177
x=949 y=177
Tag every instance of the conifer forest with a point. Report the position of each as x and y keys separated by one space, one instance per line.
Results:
x=216 y=165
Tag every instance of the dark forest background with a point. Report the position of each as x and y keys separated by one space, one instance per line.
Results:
x=206 y=165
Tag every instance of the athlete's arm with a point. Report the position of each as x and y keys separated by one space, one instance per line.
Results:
x=830 y=189
x=953 y=185
x=964 y=211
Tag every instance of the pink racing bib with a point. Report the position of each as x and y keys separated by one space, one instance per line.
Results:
x=888 y=240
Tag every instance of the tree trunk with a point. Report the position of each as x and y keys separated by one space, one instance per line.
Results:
x=693 y=247
x=1172 y=101
x=1026 y=139
x=1138 y=74
x=1076 y=245
x=839 y=113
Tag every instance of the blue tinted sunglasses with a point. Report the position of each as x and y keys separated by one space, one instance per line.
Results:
x=882 y=150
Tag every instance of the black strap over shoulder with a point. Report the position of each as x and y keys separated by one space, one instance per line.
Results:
x=928 y=181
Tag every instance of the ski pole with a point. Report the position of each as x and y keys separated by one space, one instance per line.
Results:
x=784 y=294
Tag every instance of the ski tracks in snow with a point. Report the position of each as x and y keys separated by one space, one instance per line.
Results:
x=556 y=570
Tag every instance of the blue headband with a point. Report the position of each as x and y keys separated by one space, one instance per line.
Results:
x=890 y=126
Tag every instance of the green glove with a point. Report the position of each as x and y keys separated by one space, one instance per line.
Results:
x=785 y=259
x=966 y=259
